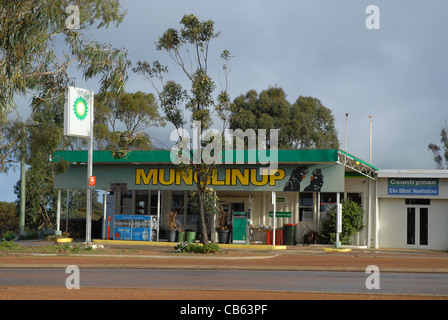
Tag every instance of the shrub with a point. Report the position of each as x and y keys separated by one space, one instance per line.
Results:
x=197 y=248
x=8 y=245
x=352 y=222
x=9 y=235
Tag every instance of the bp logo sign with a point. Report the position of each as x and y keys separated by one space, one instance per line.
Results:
x=78 y=113
x=80 y=108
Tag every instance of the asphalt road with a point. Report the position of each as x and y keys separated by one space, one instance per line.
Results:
x=290 y=281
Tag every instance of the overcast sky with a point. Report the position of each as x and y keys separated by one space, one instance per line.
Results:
x=320 y=48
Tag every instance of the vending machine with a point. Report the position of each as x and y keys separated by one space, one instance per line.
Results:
x=240 y=227
x=135 y=227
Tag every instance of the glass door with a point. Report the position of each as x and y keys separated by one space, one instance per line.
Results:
x=417 y=221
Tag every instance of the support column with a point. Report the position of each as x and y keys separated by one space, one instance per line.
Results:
x=58 y=215
x=274 y=202
x=22 y=196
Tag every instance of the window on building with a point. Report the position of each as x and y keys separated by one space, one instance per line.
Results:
x=327 y=203
x=141 y=202
x=355 y=197
x=153 y=205
x=306 y=206
x=177 y=205
x=126 y=203
x=418 y=201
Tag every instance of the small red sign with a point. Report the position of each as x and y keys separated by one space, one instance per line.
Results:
x=92 y=181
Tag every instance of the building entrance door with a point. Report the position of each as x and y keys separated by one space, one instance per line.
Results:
x=417 y=221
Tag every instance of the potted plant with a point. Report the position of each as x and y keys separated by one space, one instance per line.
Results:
x=180 y=234
x=222 y=227
x=171 y=225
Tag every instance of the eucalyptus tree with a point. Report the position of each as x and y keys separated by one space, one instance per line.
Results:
x=440 y=154
x=42 y=43
x=305 y=124
x=189 y=48
x=40 y=47
x=312 y=125
x=135 y=112
x=267 y=110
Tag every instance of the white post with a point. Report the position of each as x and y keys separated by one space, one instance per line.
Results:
x=158 y=214
x=89 y=190
x=67 y=210
x=318 y=212
x=274 y=201
x=58 y=214
x=104 y=214
x=337 y=243
x=346 y=126
x=370 y=148
x=377 y=217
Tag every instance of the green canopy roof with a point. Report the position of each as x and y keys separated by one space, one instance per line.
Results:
x=352 y=163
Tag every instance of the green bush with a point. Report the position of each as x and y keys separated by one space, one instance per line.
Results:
x=352 y=222
x=9 y=235
x=32 y=235
x=197 y=248
x=8 y=245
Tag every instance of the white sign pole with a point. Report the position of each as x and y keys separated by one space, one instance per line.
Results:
x=89 y=188
x=78 y=122
x=274 y=202
x=337 y=243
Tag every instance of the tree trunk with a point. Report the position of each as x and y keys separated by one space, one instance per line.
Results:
x=202 y=214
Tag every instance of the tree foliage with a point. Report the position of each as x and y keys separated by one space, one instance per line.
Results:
x=30 y=60
x=32 y=63
x=8 y=217
x=306 y=124
x=38 y=52
x=440 y=160
x=312 y=125
x=135 y=112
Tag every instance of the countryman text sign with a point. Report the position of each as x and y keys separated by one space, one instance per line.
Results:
x=413 y=187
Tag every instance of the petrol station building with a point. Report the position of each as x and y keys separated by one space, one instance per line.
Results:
x=402 y=208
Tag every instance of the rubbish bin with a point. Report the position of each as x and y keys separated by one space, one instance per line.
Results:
x=278 y=236
x=290 y=234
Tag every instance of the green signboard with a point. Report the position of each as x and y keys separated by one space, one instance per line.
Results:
x=281 y=214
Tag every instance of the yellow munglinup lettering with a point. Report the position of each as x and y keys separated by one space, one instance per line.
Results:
x=186 y=178
x=233 y=177
x=273 y=176
x=215 y=181
x=171 y=178
x=140 y=175
x=242 y=177
x=254 y=181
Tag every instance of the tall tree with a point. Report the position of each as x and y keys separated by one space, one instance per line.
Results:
x=312 y=125
x=39 y=45
x=135 y=112
x=267 y=110
x=305 y=124
x=188 y=48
